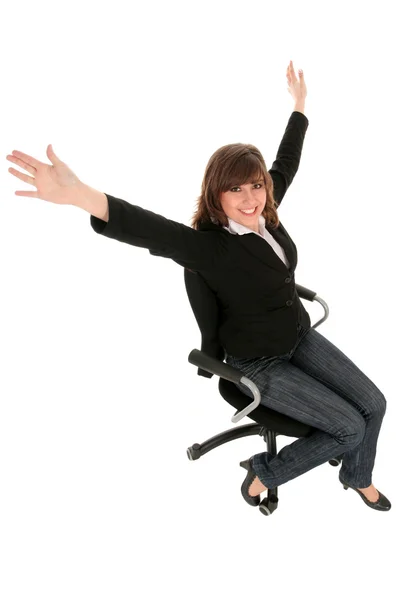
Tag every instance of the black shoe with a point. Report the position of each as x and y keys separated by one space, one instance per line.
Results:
x=381 y=504
x=252 y=500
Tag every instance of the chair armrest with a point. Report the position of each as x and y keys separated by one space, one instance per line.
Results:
x=304 y=292
x=221 y=369
x=310 y=295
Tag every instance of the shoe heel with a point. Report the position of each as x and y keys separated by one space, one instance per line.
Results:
x=345 y=487
x=245 y=464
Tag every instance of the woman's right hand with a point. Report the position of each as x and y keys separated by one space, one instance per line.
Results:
x=55 y=183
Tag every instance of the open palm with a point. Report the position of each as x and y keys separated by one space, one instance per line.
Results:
x=55 y=183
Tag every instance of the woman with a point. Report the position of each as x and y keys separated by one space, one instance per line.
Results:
x=241 y=249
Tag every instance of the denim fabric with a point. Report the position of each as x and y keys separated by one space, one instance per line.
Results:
x=315 y=383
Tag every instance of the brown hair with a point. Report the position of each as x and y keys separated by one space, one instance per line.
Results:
x=231 y=165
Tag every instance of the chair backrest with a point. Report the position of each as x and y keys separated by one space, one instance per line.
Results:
x=206 y=311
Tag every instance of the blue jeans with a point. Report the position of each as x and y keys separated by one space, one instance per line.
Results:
x=316 y=384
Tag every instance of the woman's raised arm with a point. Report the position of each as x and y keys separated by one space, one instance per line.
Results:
x=118 y=219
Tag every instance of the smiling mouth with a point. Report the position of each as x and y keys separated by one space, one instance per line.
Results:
x=249 y=214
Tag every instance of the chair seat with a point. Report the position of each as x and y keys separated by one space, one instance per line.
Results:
x=270 y=419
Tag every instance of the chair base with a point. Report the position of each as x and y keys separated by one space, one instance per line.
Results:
x=269 y=504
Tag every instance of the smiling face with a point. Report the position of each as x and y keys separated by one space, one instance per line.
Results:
x=245 y=197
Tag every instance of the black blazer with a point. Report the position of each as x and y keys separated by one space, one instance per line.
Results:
x=244 y=294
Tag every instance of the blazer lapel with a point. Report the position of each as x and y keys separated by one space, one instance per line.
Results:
x=260 y=248
x=282 y=237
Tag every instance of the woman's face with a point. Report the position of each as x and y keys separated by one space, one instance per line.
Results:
x=245 y=197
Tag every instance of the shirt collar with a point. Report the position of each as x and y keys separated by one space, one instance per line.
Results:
x=234 y=227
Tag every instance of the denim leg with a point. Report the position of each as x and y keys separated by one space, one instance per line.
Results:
x=322 y=360
x=317 y=384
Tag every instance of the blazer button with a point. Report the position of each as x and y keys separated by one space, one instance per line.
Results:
x=289 y=302
x=287 y=280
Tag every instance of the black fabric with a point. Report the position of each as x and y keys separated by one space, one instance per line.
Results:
x=207 y=313
x=242 y=294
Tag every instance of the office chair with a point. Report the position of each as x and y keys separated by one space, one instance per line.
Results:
x=209 y=360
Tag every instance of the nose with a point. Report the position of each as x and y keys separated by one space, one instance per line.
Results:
x=249 y=201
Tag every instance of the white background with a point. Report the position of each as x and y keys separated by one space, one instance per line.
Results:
x=98 y=403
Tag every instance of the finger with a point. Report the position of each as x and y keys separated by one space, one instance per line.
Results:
x=29 y=194
x=30 y=160
x=55 y=160
x=21 y=176
x=21 y=164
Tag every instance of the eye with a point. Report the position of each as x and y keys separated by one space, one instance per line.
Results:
x=237 y=187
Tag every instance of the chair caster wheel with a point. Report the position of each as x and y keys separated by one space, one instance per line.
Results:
x=268 y=505
x=335 y=462
x=194 y=452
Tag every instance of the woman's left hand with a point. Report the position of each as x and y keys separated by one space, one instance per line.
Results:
x=296 y=87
